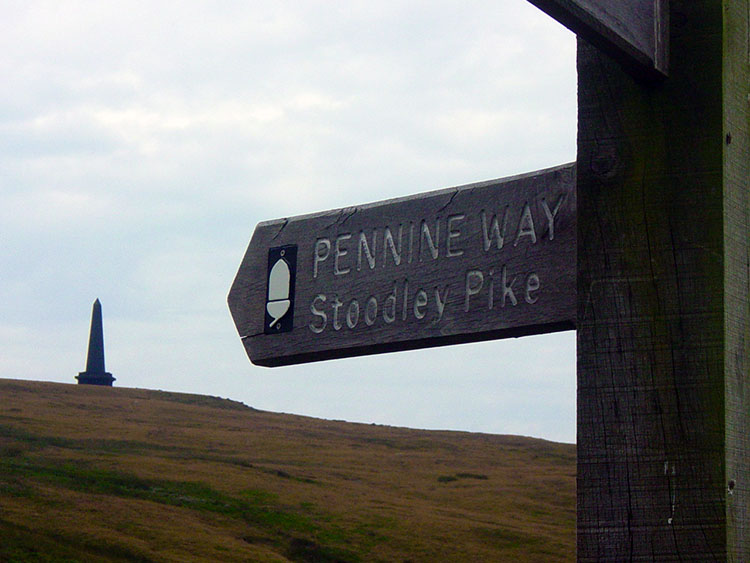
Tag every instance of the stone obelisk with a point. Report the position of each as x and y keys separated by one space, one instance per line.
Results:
x=95 y=373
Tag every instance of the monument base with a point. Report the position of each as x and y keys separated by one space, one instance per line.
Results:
x=86 y=378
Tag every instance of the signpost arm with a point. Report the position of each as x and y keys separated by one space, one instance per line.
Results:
x=663 y=321
x=489 y=260
x=634 y=32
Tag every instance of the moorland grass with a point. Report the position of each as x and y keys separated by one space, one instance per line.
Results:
x=92 y=474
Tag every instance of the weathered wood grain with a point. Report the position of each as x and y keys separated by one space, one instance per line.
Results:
x=663 y=389
x=489 y=260
x=736 y=118
x=634 y=32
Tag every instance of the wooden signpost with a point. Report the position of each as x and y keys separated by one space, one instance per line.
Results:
x=662 y=308
x=484 y=261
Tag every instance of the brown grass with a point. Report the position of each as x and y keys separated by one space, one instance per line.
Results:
x=113 y=474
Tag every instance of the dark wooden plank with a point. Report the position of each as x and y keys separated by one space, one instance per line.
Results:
x=634 y=32
x=736 y=118
x=489 y=260
x=663 y=391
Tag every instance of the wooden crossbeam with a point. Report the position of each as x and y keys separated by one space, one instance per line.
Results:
x=633 y=32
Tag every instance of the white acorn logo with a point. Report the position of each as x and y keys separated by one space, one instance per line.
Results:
x=278 y=291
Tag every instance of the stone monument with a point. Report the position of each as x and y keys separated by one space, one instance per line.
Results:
x=95 y=373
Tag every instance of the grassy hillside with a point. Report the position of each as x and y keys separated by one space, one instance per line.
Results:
x=112 y=474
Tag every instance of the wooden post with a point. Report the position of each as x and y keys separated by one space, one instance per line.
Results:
x=663 y=321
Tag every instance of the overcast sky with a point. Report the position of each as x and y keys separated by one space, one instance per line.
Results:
x=140 y=143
